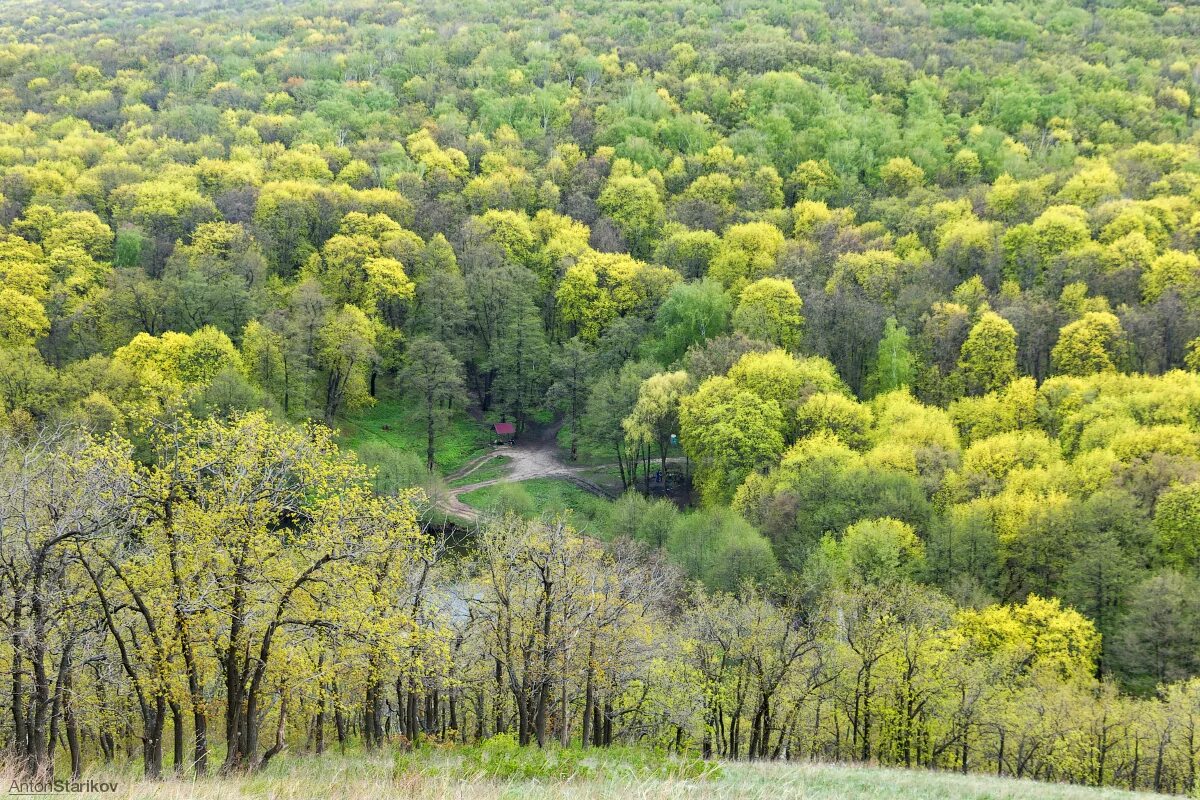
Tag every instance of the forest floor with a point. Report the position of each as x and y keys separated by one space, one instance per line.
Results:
x=360 y=776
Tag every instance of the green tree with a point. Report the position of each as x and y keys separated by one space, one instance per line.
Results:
x=164 y=210
x=263 y=359
x=769 y=309
x=522 y=362
x=612 y=397
x=654 y=418
x=879 y=551
x=635 y=205
x=1159 y=637
x=900 y=175
x=688 y=252
x=573 y=372
x=786 y=381
x=988 y=357
x=747 y=253
x=895 y=365
x=1088 y=345
x=345 y=350
x=1177 y=527
x=729 y=432
x=720 y=549
x=22 y=319
x=434 y=375
x=690 y=315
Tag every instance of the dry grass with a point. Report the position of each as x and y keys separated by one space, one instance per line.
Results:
x=364 y=777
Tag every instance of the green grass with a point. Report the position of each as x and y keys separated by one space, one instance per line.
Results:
x=586 y=452
x=605 y=475
x=358 y=776
x=501 y=758
x=458 y=441
x=491 y=469
x=539 y=496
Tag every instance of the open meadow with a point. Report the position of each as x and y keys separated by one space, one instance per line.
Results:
x=376 y=777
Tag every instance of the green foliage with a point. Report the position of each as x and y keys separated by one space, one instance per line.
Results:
x=895 y=364
x=988 y=357
x=720 y=549
x=747 y=253
x=1177 y=526
x=691 y=314
x=769 y=310
x=900 y=282
x=634 y=204
x=880 y=551
x=729 y=432
x=1036 y=633
x=637 y=517
x=1088 y=345
x=901 y=175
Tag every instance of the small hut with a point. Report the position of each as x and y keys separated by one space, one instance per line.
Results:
x=506 y=432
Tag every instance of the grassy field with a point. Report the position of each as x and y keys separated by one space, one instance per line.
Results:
x=491 y=469
x=376 y=777
x=538 y=496
x=585 y=453
x=397 y=423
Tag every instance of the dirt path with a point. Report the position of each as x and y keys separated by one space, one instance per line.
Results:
x=536 y=455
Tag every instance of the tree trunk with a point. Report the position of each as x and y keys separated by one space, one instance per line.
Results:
x=319 y=726
x=72 y=725
x=280 y=729
x=177 y=737
x=429 y=431
x=199 y=716
x=589 y=699
x=152 y=740
x=20 y=734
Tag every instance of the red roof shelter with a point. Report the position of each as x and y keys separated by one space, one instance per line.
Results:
x=505 y=428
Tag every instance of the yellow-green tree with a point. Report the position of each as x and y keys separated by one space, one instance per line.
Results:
x=655 y=415
x=1088 y=345
x=988 y=357
x=769 y=309
x=636 y=206
x=747 y=253
x=729 y=432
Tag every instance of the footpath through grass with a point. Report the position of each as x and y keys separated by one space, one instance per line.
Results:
x=398 y=423
x=620 y=774
x=492 y=469
x=538 y=496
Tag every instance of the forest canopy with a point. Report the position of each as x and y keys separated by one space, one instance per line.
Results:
x=911 y=290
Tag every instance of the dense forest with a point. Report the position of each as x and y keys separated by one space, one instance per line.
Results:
x=907 y=293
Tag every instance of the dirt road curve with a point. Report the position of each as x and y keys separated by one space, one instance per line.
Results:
x=536 y=456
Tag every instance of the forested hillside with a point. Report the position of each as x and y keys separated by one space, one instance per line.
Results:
x=883 y=316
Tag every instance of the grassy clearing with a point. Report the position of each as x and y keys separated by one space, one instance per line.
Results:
x=397 y=423
x=501 y=758
x=435 y=774
x=605 y=475
x=491 y=469
x=586 y=452
x=539 y=496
